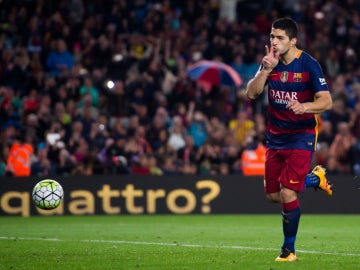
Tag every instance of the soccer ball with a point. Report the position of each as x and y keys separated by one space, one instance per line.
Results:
x=47 y=194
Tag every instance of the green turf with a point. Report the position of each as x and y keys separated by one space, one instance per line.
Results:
x=176 y=242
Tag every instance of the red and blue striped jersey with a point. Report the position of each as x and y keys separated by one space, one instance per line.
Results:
x=299 y=80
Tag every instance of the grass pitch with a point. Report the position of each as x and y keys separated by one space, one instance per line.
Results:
x=176 y=242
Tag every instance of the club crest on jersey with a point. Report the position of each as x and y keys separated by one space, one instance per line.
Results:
x=284 y=76
x=297 y=77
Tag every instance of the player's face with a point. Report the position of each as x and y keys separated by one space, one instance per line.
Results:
x=280 y=41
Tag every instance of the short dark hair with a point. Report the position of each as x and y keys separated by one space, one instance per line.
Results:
x=288 y=25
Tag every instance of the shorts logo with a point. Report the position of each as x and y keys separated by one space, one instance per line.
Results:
x=294 y=182
x=284 y=76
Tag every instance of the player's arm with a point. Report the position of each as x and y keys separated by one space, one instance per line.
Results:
x=256 y=85
x=321 y=103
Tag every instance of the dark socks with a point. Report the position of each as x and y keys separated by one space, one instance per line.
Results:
x=291 y=217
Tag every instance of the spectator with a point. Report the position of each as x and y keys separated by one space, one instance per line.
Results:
x=32 y=132
x=143 y=145
x=187 y=153
x=59 y=60
x=208 y=157
x=168 y=165
x=177 y=134
x=153 y=166
x=326 y=134
x=189 y=169
x=160 y=143
x=253 y=159
x=117 y=100
x=143 y=113
x=42 y=165
x=31 y=102
x=217 y=130
x=246 y=70
x=242 y=128
x=44 y=118
x=141 y=165
x=61 y=115
x=338 y=114
x=85 y=108
x=17 y=72
x=198 y=128
x=180 y=110
x=89 y=88
x=19 y=158
x=101 y=52
x=340 y=150
x=10 y=108
x=153 y=131
x=80 y=151
x=116 y=159
x=98 y=135
x=332 y=63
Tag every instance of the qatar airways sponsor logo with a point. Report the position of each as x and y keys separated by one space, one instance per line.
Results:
x=282 y=97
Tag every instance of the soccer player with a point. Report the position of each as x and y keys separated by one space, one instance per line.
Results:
x=297 y=92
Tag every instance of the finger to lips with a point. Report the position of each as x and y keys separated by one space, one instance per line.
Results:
x=267 y=50
x=272 y=50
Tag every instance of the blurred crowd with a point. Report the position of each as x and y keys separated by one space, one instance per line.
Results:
x=91 y=87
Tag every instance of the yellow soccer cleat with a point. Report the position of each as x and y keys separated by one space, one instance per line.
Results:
x=286 y=256
x=324 y=184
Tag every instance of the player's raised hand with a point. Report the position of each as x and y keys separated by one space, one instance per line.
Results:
x=271 y=58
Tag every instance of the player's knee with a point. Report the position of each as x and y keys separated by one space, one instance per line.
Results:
x=287 y=195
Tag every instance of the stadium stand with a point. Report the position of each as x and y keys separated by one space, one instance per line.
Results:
x=100 y=87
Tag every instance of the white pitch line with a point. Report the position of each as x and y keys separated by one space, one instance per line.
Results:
x=124 y=242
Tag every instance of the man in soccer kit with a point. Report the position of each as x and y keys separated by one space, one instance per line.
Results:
x=297 y=92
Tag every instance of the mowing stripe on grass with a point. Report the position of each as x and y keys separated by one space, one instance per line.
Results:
x=171 y=244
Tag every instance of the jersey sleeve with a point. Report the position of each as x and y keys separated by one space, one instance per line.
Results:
x=317 y=77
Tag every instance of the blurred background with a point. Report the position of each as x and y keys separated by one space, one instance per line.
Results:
x=91 y=87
